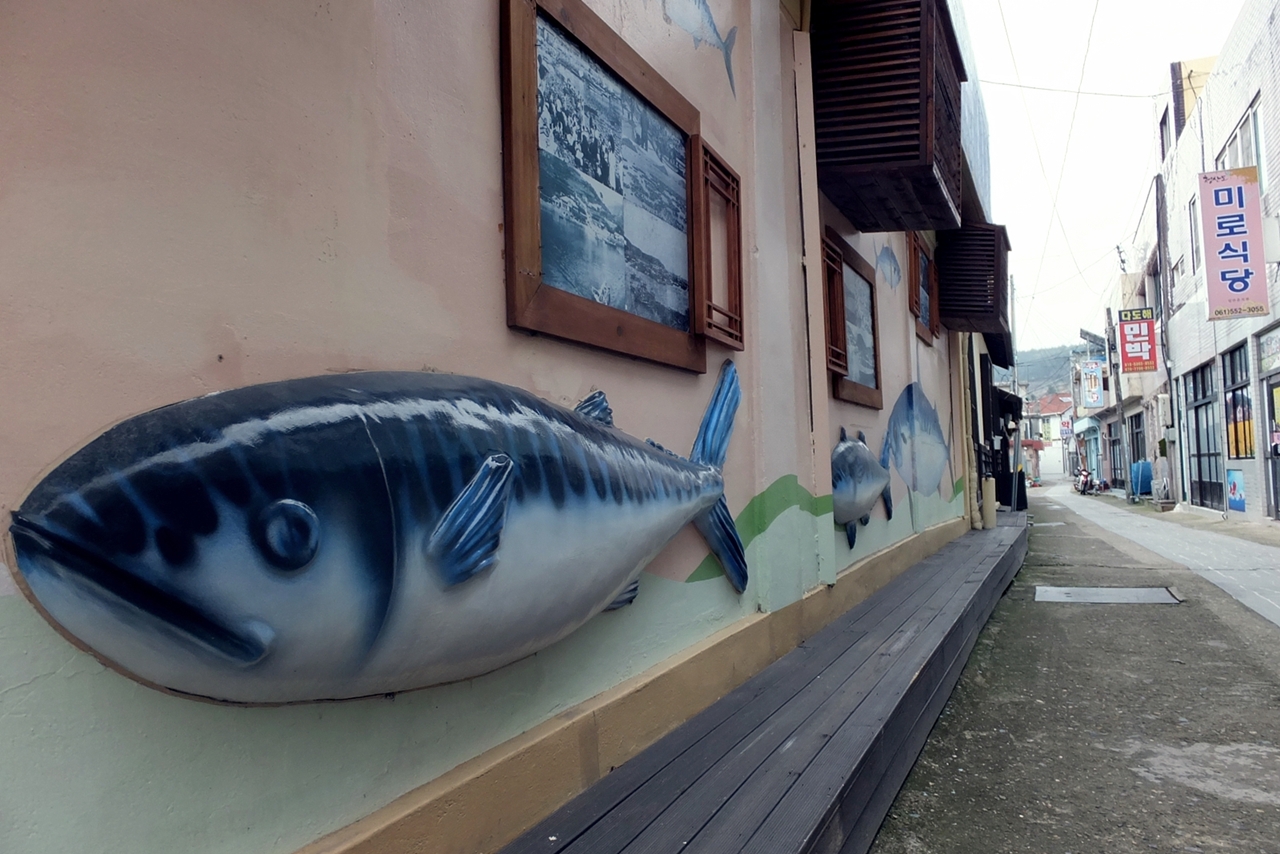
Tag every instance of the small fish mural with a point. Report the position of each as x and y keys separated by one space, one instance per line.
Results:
x=695 y=18
x=887 y=266
x=359 y=534
x=914 y=442
x=858 y=480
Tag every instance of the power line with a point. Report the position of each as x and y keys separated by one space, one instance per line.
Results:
x=1062 y=170
x=1069 y=91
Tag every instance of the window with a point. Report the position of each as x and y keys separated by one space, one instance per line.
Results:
x=1137 y=438
x=1166 y=139
x=1118 y=474
x=1239 y=404
x=1244 y=148
x=1193 y=217
x=622 y=226
x=923 y=277
x=853 y=334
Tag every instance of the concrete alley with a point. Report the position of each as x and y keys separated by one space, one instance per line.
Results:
x=1090 y=727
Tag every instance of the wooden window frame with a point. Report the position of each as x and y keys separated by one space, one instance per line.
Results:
x=712 y=176
x=836 y=252
x=535 y=306
x=917 y=245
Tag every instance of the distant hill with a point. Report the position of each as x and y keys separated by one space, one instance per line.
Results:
x=1045 y=370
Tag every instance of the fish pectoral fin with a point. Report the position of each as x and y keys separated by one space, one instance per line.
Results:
x=596 y=407
x=466 y=540
x=851 y=533
x=626 y=597
x=865 y=519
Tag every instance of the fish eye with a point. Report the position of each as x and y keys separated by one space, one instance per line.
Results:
x=287 y=533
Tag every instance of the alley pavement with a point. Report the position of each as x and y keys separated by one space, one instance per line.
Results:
x=1108 y=727
x=1249 y=571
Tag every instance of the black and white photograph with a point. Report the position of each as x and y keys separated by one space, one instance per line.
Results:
x=612 y=188
x=859 y=329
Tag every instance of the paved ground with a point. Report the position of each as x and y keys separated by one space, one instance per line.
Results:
x=1248 y=570
x=1104 y=728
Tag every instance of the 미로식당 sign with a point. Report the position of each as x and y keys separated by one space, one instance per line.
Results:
x=1137 y=340
x=1091 y=384
x=1234 y=268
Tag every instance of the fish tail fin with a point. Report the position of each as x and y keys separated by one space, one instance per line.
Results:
x=710 y=448
x=712 y=443
x=887 y=494
x=717 y=528
x=728 y=57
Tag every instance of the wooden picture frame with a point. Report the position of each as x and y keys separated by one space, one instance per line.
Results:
x=929 y=326
x=836 y=255
x=535 y=305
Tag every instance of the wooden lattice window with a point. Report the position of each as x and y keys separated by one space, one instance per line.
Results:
x=923 y=295
x=717 y=267
x=852 y=325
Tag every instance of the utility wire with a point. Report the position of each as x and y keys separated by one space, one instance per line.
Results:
x=1069 y=91
x=1062 y=170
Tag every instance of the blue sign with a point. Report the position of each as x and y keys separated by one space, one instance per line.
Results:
x=1235 y=489
x=1091 y=384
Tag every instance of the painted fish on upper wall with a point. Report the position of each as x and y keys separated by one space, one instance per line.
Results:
x=887 y=266
x=915 y=443
x=858 y=480
x=359 y=534
x=695 y=18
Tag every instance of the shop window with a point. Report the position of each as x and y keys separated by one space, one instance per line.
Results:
x=1193 y=213
x=853 y=333
x=622 y=228
x=1239 y=404
x=923 y=295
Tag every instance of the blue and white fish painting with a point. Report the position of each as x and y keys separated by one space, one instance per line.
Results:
x=695 y=18
x=858 y=480
x=914 y=441
x=358 y=534
x=887 y=266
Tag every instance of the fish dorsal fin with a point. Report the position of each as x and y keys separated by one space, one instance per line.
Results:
x=862 y=437
x=466 y=540
x=596 y=407
x=844 y=434
x=669 y=453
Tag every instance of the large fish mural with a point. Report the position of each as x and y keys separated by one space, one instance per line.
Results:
x=914 y=441
x=358 y=534
x=858 y=480
x=695 y=18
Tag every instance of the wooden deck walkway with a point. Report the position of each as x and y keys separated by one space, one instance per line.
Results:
x=809 y=754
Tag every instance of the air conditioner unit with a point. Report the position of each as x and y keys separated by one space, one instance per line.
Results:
x=1164 y=416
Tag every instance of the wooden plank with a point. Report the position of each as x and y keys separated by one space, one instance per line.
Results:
x=731 y=800
x=618 y=808
x=629 y=819
x=817 y=807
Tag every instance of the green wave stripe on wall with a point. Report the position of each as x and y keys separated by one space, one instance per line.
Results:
x=761 y=511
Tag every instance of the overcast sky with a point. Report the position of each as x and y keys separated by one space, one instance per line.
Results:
x=1099 y=167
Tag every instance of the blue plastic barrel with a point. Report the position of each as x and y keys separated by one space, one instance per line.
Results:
x=1140 y=477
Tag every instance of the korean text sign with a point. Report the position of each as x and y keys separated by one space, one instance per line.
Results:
x=1234 y=269
x=1091 y=384
x=1137 y=340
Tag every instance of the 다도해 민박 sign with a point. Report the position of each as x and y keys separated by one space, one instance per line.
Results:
x=1234 y=268
x=1137 y=340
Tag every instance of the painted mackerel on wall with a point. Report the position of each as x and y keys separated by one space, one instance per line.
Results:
x=343 y=536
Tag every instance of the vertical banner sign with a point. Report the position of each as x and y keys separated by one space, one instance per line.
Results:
x=1064 y=428
x=1137 y=340
x=1234 y=269
x=1091 y=384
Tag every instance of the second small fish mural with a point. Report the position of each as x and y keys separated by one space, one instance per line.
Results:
x=695 y=18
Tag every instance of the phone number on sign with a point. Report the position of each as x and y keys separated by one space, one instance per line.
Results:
x=1234 y=312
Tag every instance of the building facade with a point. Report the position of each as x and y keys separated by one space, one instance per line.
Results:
x=561 y=197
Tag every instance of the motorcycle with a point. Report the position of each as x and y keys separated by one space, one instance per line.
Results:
x=1084 y=483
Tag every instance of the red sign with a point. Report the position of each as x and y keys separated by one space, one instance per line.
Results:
x=1137 y=340
x=1234 y=271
